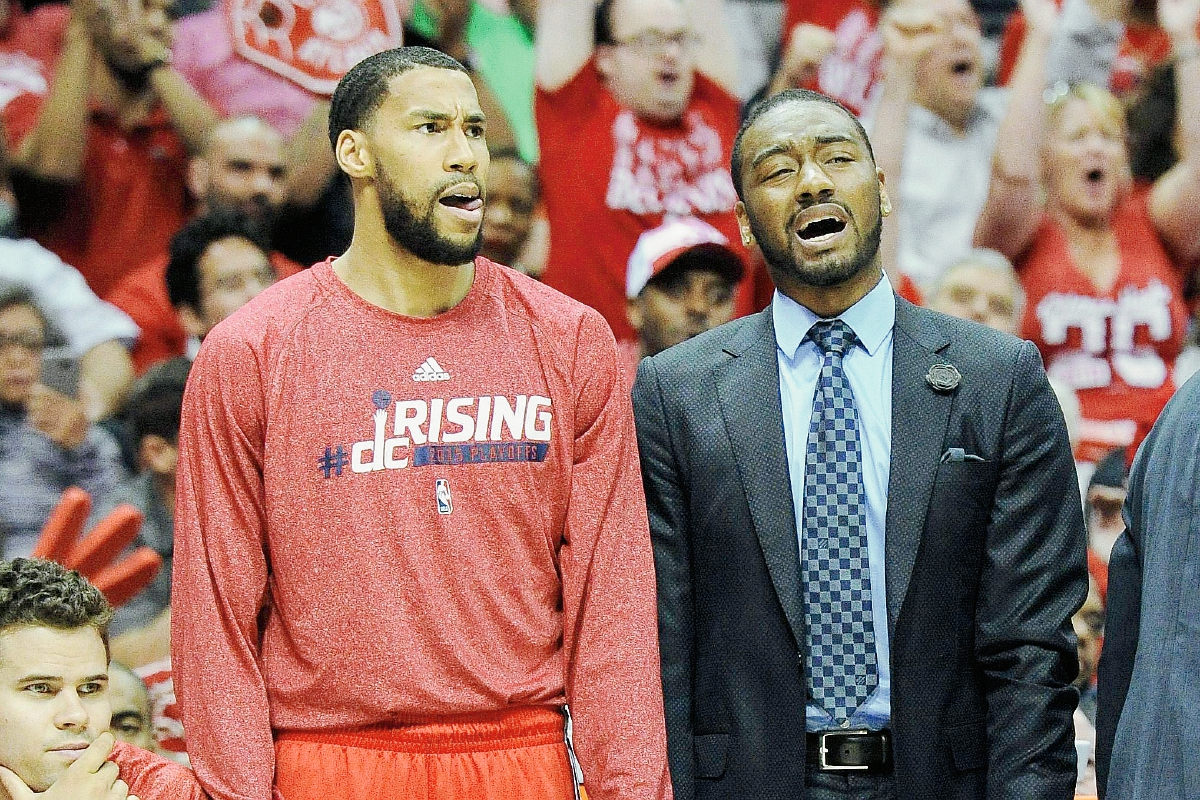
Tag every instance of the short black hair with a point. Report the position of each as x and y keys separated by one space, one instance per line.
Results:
x=37 y=592
x=362 y=89
x=19 y=295
x=786 y=97
x=193 y=240
x=510 y=153
x=602 y=32
x=156 y=412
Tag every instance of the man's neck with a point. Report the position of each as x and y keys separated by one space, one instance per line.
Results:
x=829 y=301
x=385 y=275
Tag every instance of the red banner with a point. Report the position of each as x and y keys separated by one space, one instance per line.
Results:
x=313 y=42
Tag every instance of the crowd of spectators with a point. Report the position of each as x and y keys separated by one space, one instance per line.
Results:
x=1043 y=164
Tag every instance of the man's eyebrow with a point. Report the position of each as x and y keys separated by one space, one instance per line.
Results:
x=474 y=117
x=836 y=138
x=773 y=150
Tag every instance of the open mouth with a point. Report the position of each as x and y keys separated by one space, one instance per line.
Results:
x=1094 y=175
x=963 y=67
x=463 y=201
x=821 y=227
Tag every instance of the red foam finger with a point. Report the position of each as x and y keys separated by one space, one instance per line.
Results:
x=64 y=526
x=105 y=542
x=121 y=582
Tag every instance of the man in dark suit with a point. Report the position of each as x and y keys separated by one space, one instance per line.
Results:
x=1148 y=722
x=921 y=647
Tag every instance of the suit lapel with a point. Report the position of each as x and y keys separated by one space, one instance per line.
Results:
x=748 y=390
x=919 y=419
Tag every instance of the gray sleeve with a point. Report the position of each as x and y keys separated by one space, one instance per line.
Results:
x=63 y=294
x=1084 y=47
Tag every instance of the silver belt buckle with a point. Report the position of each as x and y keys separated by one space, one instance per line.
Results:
x=823 y=752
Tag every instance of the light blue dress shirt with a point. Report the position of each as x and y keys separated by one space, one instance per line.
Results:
x=868 y=367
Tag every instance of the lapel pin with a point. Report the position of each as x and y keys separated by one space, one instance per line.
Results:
x=943 y=378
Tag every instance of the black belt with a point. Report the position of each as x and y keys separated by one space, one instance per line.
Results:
x=862 y=751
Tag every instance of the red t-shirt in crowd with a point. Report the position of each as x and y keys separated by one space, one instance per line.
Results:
x=152 y=777
x=142 y=294
x=609 y=176
x=29 y=49
x=1142 y=49
x=1115 y=348
x=164 y=710
x=852 y=72
x=128 y=203
x=426 y=517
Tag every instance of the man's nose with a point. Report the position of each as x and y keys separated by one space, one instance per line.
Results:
x=264 y=182
x=814 y=181
x=460 y=155
x=70 y=714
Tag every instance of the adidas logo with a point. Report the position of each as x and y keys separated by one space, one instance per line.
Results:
x=430 y=371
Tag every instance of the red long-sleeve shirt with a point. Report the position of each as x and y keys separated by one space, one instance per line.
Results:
x=152 y=777
x=434 y=516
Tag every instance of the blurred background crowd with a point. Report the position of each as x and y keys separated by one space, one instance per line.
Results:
x=164 y=163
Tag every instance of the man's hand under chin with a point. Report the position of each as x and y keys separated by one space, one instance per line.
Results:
x=91 y=777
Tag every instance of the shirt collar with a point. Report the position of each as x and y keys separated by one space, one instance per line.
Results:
x=871 y=319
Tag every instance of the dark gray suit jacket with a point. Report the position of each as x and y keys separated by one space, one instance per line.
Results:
x=1149 y=713
x=985 y=566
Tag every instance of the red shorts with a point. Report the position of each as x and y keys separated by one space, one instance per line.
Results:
x=516 y=754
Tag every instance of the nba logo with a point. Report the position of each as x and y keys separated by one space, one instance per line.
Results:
x=442 y=489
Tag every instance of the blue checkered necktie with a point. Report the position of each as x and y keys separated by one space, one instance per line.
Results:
x=842 y=670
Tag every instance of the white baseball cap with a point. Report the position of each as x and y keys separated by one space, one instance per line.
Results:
x=657 y=249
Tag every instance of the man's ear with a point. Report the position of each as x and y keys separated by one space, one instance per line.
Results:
x=885 y=202
x=635 y=313
x=199 y=174
x=353 y=155
x=604 y=56
x=743 y=221
x=193 y=323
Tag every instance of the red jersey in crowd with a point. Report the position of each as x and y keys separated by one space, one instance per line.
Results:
x=1115 y=347
x=852 y=72
x=609 y=176
x=427 y=517
x=164 y=710
x=29 y=48
x=128 y=202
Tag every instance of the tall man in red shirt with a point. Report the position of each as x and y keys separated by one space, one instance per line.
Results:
x=636 y=120
x=410 y=522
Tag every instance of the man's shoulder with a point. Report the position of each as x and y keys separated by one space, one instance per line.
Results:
x=275 y=309
x=711 y=349
x=710 y=95
x=152 y=777
x=968 y=341
x=545 y=307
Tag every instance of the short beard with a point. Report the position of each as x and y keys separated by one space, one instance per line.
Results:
x=418 y=235
x=825 y=273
